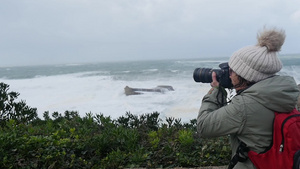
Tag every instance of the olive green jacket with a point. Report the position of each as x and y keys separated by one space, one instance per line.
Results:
x=249 y=116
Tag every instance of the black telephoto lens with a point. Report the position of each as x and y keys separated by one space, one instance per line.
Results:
x=203 y=75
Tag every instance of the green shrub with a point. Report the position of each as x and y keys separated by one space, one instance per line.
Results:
x=12 y=109
x=185 y=137
x=95 y=141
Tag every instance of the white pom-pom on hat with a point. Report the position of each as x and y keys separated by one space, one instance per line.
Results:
x=255 y=63
x=273 y=39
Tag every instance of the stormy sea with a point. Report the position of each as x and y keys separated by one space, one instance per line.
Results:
x=99 y=87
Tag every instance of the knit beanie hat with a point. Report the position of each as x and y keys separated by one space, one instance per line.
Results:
x=255 y=63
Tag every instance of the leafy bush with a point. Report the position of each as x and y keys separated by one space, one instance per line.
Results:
x=11 y=109
x=97 y=141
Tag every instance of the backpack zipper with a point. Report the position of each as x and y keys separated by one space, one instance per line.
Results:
x=285 y=120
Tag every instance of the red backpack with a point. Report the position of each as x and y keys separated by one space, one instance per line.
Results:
x=284 y=153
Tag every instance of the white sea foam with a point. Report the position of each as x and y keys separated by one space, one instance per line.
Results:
x=99 y=88
x=292 y=71
x=100 y=94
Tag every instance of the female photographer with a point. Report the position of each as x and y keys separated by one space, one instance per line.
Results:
x=248 y=118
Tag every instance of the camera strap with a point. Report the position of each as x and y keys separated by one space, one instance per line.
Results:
x=239 y=155
x=223 y=93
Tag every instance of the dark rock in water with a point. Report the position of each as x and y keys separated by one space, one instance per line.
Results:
x=137 y=91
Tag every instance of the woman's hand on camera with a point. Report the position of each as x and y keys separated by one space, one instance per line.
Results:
x=214 y=82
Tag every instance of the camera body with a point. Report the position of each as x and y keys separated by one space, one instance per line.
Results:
x=204 y=75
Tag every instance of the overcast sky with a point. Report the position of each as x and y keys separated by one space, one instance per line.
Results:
x=76 y=31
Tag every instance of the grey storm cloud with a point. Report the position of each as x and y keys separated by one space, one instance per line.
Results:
x=69 y=31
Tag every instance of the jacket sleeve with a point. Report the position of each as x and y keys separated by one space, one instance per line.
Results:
x=214 y=120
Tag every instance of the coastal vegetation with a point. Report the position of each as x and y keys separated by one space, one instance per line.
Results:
x=97 y=141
